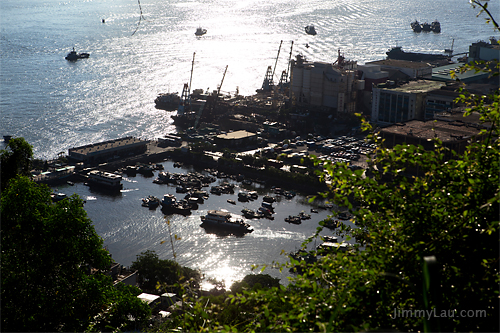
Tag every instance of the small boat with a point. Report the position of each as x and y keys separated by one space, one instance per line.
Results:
x=58 y=196
x=69 y=182
x=151 y=202
x=436 y=26
x=268 y=198
x=344 y=216
x=293 y=219
x=331 y=223
x=231 y=201
x=267 y=205
x=426 y=27
x=243 y=196
x=73 y=56
x=314 y=210
x=200 y=31
x=304 y=216
x=416 y=26
x=310 y=30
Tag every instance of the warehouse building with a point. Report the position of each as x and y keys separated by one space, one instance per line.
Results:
x=108 y=150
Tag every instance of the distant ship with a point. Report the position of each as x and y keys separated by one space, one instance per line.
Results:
x=436 y=26
x=398 y=54
x=73 y=56
x=310 y=30
x=200 y=31
x=416 y=26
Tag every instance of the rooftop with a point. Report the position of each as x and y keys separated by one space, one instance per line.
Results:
x=107 y=145
x=447 y=131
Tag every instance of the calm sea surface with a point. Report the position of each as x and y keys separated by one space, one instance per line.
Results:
x=56 y=104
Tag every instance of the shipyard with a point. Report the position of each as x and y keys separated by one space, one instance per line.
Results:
x=310 y=110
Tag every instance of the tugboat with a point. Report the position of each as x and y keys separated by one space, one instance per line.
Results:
x=73 y=56
x=200 y=31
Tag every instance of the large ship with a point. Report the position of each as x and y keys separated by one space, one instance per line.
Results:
x=218 y=219
x=105 y=179
x=398 y=54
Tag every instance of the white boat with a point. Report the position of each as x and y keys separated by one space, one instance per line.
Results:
x=223 y=220
x=310 y=30
x=105 y=179
x=200 y=31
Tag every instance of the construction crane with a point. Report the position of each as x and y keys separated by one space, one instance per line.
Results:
x=209 y=111
x=185 y=101
x=268 y=83
x=286 y=73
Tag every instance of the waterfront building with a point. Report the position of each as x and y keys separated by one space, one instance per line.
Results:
x=482 y=50
x=108 y=150
x=411 y=69
x=393 y=104
x=331 y=86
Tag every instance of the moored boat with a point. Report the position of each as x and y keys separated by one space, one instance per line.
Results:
x=224 y=220
x=105 y=179
x=293 y=219
x=416 y=26
x=436 y=26
x=151 y=202
x=167 y=101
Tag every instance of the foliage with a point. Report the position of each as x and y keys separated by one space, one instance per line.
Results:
x=154 y=272
x=15 y=159
x=48 y=252
x=255 y=281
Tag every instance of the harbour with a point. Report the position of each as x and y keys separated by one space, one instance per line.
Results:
x=57 y=104
x=129 y=229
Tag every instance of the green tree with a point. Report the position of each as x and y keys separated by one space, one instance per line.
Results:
x=154 y=272
x=53 y=265
x=15 y=159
